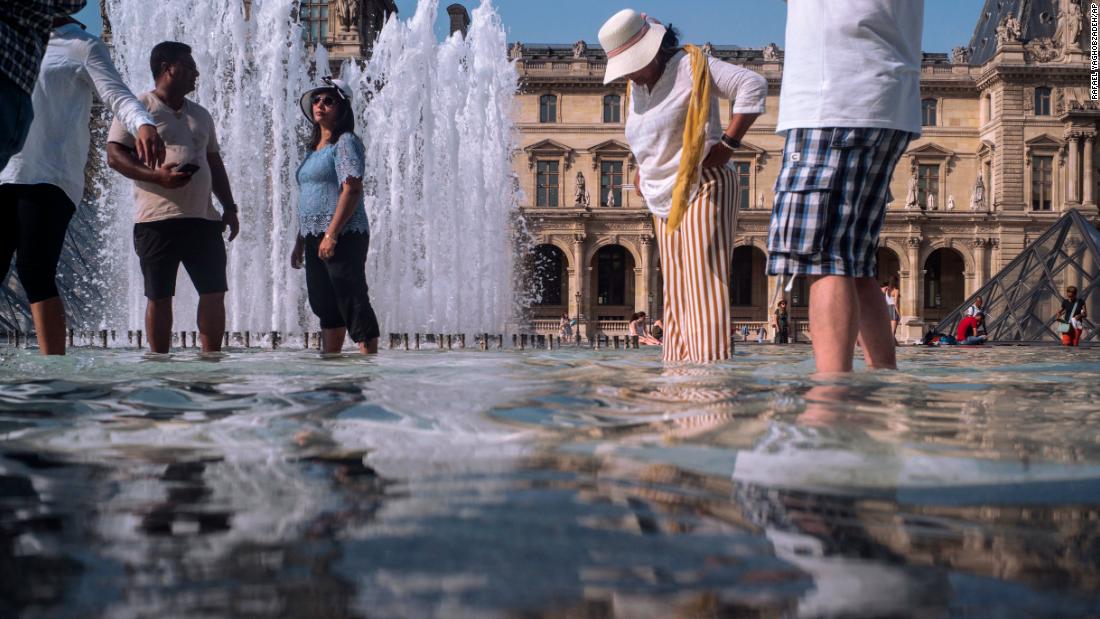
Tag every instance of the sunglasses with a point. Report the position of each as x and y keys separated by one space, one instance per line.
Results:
x=328 y=100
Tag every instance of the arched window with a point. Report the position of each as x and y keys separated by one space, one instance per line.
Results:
x=548 y=273
x=611 y=275
x=1042 y=101
x=548 y=109
x=928 y=112
x=944 y=283
x=611 y=109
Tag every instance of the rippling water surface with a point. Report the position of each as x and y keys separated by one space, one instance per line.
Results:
x=564 y=483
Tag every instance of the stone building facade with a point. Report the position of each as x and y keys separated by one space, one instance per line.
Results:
x=1008 y=145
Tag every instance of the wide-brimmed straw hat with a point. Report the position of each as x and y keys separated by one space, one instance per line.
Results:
x=331 y=84
x=631 y=41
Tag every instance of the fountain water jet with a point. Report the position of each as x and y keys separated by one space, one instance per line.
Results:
x=439 y=134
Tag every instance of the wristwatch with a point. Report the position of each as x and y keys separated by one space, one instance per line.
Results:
x=729 y=142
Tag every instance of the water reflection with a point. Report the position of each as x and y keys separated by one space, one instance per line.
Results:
x=548 y=484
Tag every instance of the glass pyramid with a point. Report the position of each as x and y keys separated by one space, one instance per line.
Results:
x=1022 y=300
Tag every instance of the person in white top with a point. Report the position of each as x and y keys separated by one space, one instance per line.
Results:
x=890 y=294
x=41 y=186
x=849 y=106
x=675 y=130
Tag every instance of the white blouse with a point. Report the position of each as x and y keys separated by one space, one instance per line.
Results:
x=76 y=66
x=655 y=121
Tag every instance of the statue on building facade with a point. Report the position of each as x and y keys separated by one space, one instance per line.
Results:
x=348 y=12
x=951 y=202
x=771 y=52
x=708 y=48
x=579 y=49
x=1070 y=21
x=977 y=199
x=581 y=196
x=760 y=201
x=930 y=202
x=960 y=55
x=611 y=197
x=1008 y=31
x=912 y=196
x=516 y=51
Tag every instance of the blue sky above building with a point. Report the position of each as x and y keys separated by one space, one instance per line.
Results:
x=748 y=23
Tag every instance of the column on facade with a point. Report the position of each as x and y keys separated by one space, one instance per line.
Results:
x=912 y=289
x=985 y=262
x=642 y=277
x=579 y=284
x=1072 y=196
x=1089 y=183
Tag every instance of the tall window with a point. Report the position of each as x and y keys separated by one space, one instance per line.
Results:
x=1042 y=101
x=546 y=183
x=611 y=107
x=548 y=109
x=1042 y=182
x=611 y=276
x=928 y=183
x=549 y=269
x=928 y=112
x=741 y=279
x=611 y=183
x=314 y=18
x=800 y=293
x=742 y=169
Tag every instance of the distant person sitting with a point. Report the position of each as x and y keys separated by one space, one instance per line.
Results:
x=968 y=332
x=978 y=309
x=1071 y=318
x=175 y=221
x=657 y=331
x=637 y=328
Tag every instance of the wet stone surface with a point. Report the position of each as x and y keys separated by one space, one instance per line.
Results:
x=549 y=483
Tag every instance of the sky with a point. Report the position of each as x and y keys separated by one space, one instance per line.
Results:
x=747 y=23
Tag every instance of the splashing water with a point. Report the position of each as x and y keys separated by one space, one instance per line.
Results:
x=439 y=134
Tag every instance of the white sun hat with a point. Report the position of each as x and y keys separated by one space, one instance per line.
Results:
x=340 y=86
x=631 y=41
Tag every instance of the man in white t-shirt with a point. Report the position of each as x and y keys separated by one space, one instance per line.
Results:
x=849 y=106
x=176 y=222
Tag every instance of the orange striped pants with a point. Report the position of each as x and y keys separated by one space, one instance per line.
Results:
x=695 y=266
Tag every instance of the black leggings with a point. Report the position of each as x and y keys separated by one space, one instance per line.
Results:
x=338 y=286
x=36 y=218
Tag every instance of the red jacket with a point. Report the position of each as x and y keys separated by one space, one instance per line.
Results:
x=966 y=325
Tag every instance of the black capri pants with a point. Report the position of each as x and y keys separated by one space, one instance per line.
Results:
x=36 y=218
x=337 y=287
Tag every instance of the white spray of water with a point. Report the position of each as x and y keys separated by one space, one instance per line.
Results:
x=439 y=134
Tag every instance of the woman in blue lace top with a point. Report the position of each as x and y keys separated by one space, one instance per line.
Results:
x=333 y=232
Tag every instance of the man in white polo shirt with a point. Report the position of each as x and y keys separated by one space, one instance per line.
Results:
x=175 y=221
x=849 y=105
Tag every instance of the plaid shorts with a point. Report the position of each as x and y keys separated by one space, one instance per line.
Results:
x=830 y=200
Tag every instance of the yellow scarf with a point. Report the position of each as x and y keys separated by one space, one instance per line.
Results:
x=695 y=123
x=694 y=136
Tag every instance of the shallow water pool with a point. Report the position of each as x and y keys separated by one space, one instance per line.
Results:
x=552 y=483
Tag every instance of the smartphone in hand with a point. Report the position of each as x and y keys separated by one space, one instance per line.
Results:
x=188 y=168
